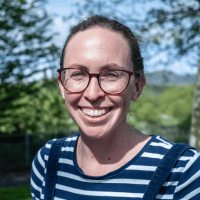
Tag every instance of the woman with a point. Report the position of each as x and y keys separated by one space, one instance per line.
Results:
x=101 y=73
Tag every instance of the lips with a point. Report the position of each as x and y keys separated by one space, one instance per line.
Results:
x=95 y=112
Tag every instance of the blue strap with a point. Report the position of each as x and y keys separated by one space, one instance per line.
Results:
x=159 y=177
x=163 y=170
x=52 y=169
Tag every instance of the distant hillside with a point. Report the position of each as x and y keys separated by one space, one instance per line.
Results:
x=169 y=78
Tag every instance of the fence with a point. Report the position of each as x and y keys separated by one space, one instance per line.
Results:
x=17 y=152
x=172 y=133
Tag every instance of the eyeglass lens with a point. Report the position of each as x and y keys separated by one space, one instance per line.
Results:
x=111 y=81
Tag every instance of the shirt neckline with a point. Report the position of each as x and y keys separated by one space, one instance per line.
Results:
x=115 y=172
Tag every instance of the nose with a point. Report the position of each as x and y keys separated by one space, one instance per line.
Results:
x=93 y=92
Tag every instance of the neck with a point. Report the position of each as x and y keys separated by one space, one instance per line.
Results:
x=97 y=157
x=110 y=149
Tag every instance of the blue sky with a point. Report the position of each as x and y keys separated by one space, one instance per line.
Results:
x=60 y=8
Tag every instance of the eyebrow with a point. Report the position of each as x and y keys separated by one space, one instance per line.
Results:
x=78 y=66
x=111 y=66
x=103 y=67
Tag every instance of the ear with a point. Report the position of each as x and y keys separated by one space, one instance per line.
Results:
x=61 y=86
x=139 y=85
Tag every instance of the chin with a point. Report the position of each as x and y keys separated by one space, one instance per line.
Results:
x=94 y=133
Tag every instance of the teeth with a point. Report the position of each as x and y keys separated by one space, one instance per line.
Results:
x=95 y=113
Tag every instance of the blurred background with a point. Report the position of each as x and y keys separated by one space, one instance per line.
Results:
x=32 y=111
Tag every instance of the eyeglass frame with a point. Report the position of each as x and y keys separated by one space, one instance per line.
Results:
x=97 y=76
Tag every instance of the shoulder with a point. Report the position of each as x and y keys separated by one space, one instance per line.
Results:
x=158 y=145
x=185 y=174
x=184 y=179
x=68 y=142
x=187 y=158
x=43 y=154
x=39 y=164
x=188 y=165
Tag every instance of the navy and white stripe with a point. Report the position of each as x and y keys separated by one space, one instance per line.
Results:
x=128 y=182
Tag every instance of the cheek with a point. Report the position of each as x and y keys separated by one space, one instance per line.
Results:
x=71 y=100
x=128 y=96
x=122 y=101
x=127 y=102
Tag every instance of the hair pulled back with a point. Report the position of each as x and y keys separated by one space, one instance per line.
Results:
x=113 y=25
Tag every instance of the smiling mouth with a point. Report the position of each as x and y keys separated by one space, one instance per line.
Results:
x=95 y=112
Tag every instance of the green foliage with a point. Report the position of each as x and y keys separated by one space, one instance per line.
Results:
x=10 y=103
x=25 y=46
x=154 y=111
x=177 y=102
x=145 y=109
x=50 y=112
x=121 y=10
x=42 y=111
x=25 y=40
x=177 y=28
x=19 y=193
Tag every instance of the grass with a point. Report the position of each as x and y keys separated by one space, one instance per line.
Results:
x=16 y=193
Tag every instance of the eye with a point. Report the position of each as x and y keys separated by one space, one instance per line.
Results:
x=110 y=74
x=78 y=73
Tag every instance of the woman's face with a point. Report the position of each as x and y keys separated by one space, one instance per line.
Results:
x=94 y=50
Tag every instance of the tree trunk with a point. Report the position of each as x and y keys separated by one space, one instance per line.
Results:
x=195 y=123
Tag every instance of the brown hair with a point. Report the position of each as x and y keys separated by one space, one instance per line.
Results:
x=113 y=25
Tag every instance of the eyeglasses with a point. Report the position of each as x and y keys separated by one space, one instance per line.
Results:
x=76 y=80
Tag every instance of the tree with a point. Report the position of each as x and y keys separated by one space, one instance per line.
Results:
x=177 y=102
x=25 y=40
x=121 y=10
x=42 y=112
x=26 y=49
x=175 y=26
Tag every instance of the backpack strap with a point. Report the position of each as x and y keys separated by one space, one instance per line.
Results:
x=159 y=177
x=163 y=170
x=52 y=168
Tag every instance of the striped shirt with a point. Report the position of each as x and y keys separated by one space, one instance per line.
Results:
x=128 y=182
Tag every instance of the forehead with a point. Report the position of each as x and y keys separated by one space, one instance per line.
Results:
x=97 y=44
x=98 y=31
